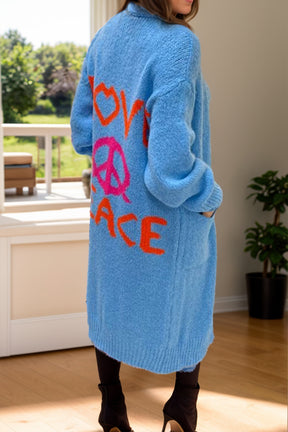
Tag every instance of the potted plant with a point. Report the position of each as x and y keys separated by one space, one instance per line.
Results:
x=268 y=243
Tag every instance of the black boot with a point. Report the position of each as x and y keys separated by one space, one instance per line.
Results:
x=180 y=410
x=113 y=415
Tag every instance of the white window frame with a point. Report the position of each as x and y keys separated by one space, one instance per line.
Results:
x=100 y=12
x=2 y=190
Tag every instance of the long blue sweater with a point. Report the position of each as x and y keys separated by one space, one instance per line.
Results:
x=141 y=110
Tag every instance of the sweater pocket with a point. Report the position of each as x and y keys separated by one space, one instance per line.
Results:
x=196 y=238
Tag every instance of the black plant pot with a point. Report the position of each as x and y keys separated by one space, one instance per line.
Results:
x=266 y=295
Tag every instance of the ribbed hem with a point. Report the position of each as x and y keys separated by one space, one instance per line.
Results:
x=162 y=360
x=214 y=200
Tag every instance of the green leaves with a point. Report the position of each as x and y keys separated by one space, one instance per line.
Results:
x=28 y=75
x=20 y=87
x=271 y=191
x=60 y=71
x=268 y=243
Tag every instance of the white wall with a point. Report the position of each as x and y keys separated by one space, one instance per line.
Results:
x=244 y=60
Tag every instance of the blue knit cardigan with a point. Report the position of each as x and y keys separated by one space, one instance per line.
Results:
x=141 y=110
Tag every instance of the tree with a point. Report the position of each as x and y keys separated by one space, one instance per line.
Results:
x=47 y=73
x=61 y=67
x=20 y=87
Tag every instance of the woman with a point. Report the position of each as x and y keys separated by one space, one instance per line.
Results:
x=141 y=111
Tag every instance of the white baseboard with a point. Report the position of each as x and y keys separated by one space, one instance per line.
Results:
x=230 y=304
x=234 y=303
x=57 y=332
x=48 y=333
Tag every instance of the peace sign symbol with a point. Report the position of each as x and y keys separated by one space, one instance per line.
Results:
x=109 y=169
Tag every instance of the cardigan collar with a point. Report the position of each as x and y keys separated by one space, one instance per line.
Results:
x=139 y=11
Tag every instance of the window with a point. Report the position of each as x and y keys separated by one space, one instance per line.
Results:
x=65 y=21
x=42 y=51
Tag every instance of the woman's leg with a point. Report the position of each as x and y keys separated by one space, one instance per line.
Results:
x=180 y=410
x=108 y=368
x=113 y=409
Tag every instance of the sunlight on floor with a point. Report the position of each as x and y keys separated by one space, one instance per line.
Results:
x=54 y=416
x=225 y=413
x=238 y=414
x=60 y=191
x=216 y=413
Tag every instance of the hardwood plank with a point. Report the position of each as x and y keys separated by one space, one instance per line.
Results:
x=5 y=428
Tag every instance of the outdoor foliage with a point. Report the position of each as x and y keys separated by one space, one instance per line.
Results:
x=20 y=86
x=60 y=71
x=44 y=107
x=48 y=73
x=269 y=243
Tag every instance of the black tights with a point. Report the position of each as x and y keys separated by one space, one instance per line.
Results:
x=109 y=370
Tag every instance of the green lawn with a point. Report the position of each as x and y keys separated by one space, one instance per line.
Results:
x=72 y=164
x=42 y=119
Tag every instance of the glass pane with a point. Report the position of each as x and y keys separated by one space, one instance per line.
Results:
x=42 y=46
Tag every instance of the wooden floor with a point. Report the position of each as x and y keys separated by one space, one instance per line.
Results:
x=242 y=379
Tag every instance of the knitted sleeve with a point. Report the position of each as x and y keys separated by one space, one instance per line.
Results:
x=81 y=115
x=173 y=174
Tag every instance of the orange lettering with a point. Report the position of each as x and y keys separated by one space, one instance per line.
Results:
x=107 y=92
x=91 y=81
x=121 y=220
x=137 y=105
x=147 y=234
x=109 y=216
x=145 y=127
x=105 y=211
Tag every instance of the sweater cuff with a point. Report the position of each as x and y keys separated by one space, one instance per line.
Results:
x=214 y=200
x=81 y=149
x=210 y=204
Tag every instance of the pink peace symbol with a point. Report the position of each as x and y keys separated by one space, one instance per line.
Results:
x=109 y=168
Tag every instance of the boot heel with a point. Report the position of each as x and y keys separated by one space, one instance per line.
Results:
x=174 y=425
x=166 y=420
x=109 y=428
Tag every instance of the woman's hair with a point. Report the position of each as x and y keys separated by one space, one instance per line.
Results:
x=163 y=9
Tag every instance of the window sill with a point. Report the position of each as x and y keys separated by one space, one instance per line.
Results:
x=16 y=207
x=64 y=195
x=56 y=221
